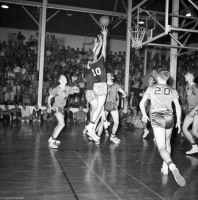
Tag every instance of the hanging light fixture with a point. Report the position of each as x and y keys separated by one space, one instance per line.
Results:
x=188 y=15
x=140 y=22
x=5 y=6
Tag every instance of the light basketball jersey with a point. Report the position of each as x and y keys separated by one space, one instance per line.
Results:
x=192 y=97
x=60 y=96
x=161 y=96
x=112 y=92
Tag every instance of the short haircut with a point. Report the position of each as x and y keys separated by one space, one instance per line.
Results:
x=192 y=72
x=59 y=77
x=164 y=73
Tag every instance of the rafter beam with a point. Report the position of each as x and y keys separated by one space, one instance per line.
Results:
x=172 y=46
x=65 y=7
x=26 y=10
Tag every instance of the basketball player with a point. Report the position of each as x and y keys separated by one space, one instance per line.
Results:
x=60 y=93
x=90 y=95
x=97 y=67
x=192 y=116
x=161 y=96
x=111 y=104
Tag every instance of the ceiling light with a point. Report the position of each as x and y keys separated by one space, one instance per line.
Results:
x=5 y=6
x=188 y=15
x=140 y=22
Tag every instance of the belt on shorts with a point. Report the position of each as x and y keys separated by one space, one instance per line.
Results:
x=159 y=109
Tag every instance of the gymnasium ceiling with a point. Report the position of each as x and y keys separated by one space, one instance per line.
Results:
x=79 y=23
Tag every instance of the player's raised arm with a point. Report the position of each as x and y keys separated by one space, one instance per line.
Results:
x=178 y=114
x=104 y=44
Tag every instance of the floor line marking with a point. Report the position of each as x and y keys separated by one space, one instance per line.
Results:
x=67 y=178
x=140 y=182
x=103 y=182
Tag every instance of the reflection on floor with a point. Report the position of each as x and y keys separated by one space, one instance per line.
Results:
x=79 y=169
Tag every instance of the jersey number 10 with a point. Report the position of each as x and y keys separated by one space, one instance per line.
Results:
x=96 y=71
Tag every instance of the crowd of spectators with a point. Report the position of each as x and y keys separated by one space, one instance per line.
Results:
x=19 y=73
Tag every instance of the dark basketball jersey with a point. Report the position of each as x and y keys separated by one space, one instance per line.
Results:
x=161 y=96
x=90 y=79
x=99 y=71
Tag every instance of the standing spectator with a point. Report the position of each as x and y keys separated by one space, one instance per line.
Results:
x=20 y=38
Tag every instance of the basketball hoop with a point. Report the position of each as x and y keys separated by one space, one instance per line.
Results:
x=137 y=35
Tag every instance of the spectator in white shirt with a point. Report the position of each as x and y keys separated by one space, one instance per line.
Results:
x=74 y=77
x=25 y=112
x=16 y=69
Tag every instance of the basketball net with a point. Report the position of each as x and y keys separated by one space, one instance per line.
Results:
x=137 y=35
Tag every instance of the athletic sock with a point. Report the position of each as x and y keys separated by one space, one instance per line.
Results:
x=171 y=165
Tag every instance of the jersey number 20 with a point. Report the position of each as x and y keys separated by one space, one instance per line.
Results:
x=96 y=71
x=163 y=91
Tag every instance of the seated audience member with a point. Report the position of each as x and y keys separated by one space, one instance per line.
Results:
x=6 y=114
x=25 y=111
x=127 y=122
x=133 y=102
x=46 y=116
x=7 y=96
x=16 y=87
x=122 y=114
x=80 y=116
x=68 y=115
x=36 y=114
x=2 y=97
x=33 y=98
x=81 y=85
x=26 y=82
x=26 y=99
x=137 y=119
x=18 y=98
x=83 y=101
x=16 y=112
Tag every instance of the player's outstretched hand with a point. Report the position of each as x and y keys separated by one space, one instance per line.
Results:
x=104 y=31
x=124 y=95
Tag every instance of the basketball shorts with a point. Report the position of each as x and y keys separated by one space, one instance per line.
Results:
x=162 y=119
x=100 y=89
x=90 y=96
x=58 y=110
x=110 y=106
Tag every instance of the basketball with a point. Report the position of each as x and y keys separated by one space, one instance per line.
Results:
x=104 y=21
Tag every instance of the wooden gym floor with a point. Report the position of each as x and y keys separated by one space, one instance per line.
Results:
x=79 y=169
